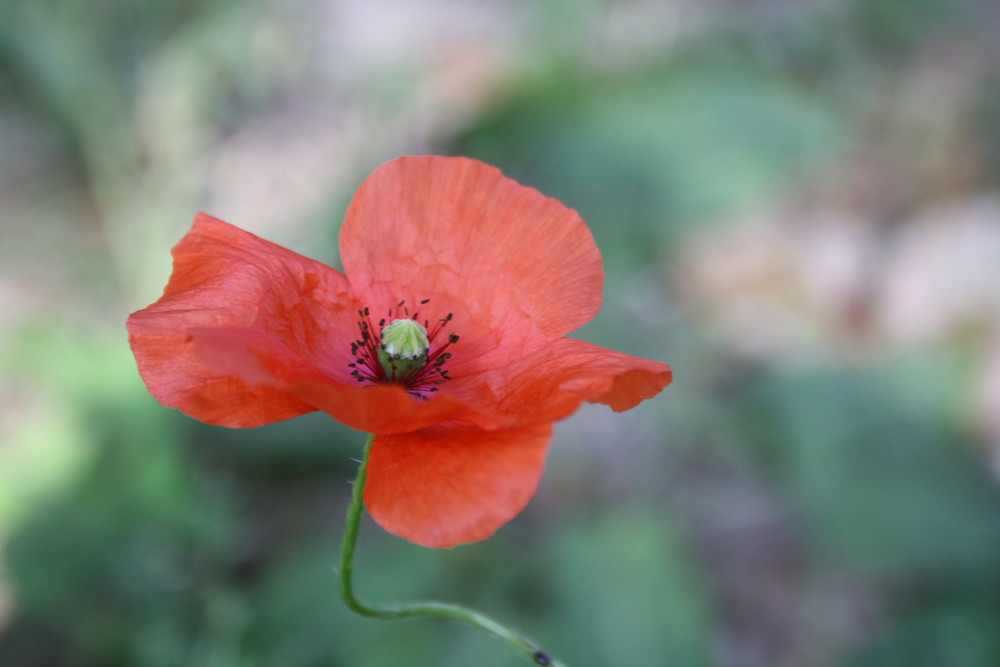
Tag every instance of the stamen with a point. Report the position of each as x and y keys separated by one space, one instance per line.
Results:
x=376 y=362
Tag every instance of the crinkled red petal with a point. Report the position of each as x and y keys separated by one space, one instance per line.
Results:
x=226 y=277
x=551 y=384
x=442 y=487
x=517 y=269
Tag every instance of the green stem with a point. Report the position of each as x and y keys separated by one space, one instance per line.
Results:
x=440 y=609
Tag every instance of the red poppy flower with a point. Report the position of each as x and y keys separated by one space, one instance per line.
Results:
x=493 y=274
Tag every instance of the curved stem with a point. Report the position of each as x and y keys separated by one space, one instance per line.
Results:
x=440 y=609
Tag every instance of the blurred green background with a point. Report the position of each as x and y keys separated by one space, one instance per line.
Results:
x=797 y=203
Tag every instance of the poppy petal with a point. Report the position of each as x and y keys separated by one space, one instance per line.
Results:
x=389 y=408
x=224 y=276
x=261 y=359
x=440 y=487
x=551 y=384
x=517 y=268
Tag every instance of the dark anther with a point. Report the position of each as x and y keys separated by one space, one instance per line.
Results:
x=381 y=322
x=541 y=658
x=400 y=304
x=366 y=311
x=453 y=338
x=424 y=301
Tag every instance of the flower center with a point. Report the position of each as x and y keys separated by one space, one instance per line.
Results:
x=402 y=352
x=404 y=348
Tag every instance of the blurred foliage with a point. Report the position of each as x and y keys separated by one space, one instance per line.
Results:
x=766 y=510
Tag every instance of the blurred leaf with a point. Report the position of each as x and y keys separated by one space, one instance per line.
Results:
x=939 y=637
x=881 y=487
x=631 y=593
